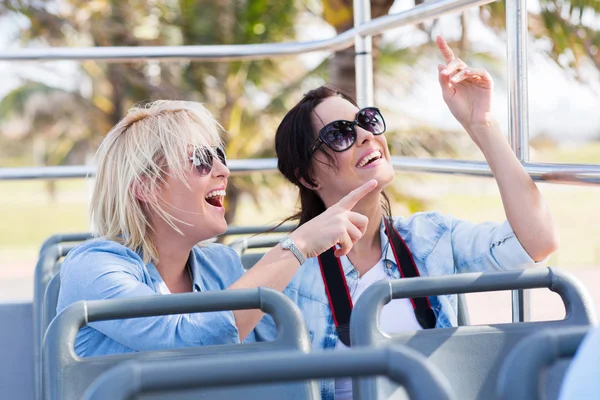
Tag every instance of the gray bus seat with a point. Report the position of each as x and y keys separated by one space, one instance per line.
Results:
x=462 y=309
x=257 y=242
x=58 y=245
x=250 y=259
x=535 y=368
x=231 y=230
x=61 y=238
x=47 y=267
x=66 y=376
x=16 y=378
x=50 y=301
x=469 y=356
x=403 y=365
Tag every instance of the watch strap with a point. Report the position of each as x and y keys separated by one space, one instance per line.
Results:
x=287 y=243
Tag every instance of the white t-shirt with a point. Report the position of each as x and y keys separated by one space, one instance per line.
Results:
x=396 y=316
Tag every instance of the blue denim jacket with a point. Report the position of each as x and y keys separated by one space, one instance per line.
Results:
x=103 y=269
x=440 y=245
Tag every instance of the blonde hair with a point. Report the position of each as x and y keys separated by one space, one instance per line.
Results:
x=133 y=159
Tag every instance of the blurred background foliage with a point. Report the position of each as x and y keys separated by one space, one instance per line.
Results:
x=46 y=124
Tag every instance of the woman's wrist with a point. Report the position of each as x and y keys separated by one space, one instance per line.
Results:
x=298 y=239
x=485 y=133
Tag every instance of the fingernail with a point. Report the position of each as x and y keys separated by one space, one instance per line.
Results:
x=454 y=79
x=445 y=71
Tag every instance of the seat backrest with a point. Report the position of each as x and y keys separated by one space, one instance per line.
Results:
x=404 y=366
x=462 y=309
x=50 y=301
x=66 y=376
x=535 y=368
x=250 y=259
x=46 y=268
x=16 y=376
x=57 y=246
x=470 y=356
x=257 y=242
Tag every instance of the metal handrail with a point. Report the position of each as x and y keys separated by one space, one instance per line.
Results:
x=360 y=35
x=580 y=174
x=421 y=13
x=518 y=111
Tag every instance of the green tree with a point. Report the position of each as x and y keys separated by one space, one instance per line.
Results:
x=232 y=90
x=571 y=25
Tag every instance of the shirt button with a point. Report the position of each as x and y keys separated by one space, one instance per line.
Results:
x=388 y=264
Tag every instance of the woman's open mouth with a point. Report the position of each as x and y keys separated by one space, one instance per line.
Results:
x=369 y=159
x=215 y=198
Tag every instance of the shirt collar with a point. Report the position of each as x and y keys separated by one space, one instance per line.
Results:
x=196 y=275
x=388 y=253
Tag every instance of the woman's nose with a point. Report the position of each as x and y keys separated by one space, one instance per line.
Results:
x=363 y=136
x=219 y=169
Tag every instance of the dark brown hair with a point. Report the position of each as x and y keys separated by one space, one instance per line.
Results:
x=294 y=140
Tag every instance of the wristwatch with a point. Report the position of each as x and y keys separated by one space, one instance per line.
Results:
x=287 y=243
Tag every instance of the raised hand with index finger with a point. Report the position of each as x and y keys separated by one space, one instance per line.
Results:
x=338 y=225
x=467 y=91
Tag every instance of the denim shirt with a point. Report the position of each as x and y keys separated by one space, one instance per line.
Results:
x=103 y=269
x=440 y=245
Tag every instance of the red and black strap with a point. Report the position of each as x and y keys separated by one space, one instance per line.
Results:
x=339 y=296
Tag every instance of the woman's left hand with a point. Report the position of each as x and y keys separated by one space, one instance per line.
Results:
x=467 y=91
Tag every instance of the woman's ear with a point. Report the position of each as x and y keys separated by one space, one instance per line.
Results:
x=315 y=187
x=141 y=189
x=307 y=185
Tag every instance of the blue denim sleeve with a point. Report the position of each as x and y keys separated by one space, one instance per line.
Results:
x=114 y=273
x=266 y=330
x=487 y=247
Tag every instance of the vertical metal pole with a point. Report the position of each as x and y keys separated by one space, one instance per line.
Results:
x=363 y=61
x=518 y=114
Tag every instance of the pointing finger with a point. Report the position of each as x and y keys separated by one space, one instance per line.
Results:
x=446 y=51
x=350 y=200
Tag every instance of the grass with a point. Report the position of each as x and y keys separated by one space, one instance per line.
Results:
x=573 y=209
x=29 y=215
x=588 y=153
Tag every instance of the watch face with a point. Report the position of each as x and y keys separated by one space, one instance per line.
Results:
x=286 y=243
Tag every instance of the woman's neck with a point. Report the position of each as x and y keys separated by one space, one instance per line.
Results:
x=367 y=251
x=173 y=255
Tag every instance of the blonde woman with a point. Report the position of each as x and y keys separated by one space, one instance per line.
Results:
x=159 y=191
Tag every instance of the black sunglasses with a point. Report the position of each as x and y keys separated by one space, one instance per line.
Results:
x=203 y=159
x=341 y=135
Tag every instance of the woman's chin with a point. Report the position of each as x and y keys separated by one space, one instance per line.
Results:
x=219 y=227
x=211 y=229
x=384 y=177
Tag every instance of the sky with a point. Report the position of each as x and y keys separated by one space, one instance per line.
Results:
x=559 y=106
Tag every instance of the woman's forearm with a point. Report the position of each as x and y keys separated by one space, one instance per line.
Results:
x=523 y=203
x=275 y=270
